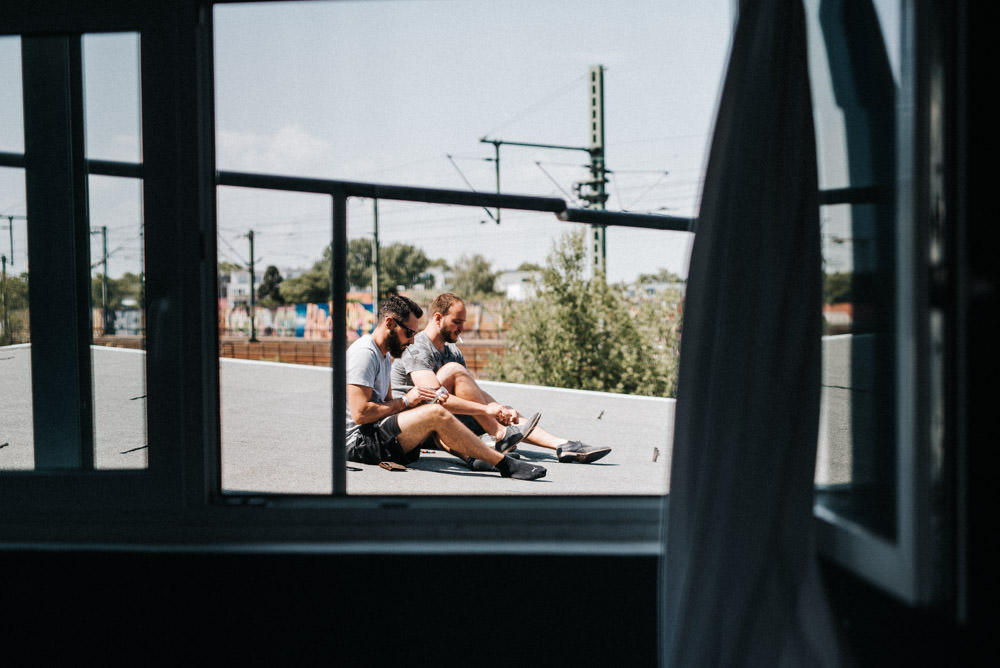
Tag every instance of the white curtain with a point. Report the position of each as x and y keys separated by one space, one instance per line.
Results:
x=739 y=583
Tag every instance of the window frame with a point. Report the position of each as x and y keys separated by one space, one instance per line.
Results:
x=914 y=565
x=177 y=502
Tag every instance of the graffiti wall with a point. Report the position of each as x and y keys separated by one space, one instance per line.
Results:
x=310 y=322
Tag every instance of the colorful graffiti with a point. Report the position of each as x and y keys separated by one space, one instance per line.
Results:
x=311 y=322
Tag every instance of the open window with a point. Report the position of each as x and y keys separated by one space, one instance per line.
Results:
x=523 y=111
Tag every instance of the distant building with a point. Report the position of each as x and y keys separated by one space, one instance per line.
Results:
x=517 y=285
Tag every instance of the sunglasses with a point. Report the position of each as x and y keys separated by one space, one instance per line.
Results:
x=409 y=332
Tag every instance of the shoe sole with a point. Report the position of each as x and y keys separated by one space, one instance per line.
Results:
x=583 y=457
x=531 y=426
x=513 y=446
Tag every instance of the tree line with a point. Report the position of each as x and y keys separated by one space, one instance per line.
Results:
x=401 y=266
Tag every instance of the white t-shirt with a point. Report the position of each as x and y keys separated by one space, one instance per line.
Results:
x=366 y=366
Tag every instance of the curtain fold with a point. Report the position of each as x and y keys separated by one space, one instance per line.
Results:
x=739 y=581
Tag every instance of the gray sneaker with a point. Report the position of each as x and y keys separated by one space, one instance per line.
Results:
x=516 y=432
x=575 y=451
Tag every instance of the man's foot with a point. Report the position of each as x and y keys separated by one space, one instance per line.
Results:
x=515 y=468
x=482 y=465
x=516 y=432
x=575 y=451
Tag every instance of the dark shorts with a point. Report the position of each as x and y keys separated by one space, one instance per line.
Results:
x=471 y=423
x=376 y=442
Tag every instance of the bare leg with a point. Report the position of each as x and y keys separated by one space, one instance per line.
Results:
x=538 y=436
x=544 y=439
x=430 y=419
x=458 y=381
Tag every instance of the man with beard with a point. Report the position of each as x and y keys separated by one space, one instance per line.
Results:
x=435 y=361
x=384 y=429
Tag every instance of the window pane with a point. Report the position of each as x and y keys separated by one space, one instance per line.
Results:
x=855 y=84
x=111 y=89
x=513 y=112
x=17 y=430
x=12 y=110
x=111 y=76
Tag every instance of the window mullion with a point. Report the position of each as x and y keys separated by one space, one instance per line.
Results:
x=59 y=235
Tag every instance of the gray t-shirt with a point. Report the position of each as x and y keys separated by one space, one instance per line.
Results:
x=367 y=366
x=420 y=355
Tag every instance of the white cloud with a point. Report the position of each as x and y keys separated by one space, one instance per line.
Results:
x=290 y=151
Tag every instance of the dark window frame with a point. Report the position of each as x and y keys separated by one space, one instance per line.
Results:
x=177 y=503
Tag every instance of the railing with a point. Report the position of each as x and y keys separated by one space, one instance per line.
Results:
x=341 y=190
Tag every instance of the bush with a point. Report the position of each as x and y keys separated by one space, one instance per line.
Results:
x=580 y=332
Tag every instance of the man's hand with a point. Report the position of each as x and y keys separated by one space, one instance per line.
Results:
x=418 y=395
x=502 y=414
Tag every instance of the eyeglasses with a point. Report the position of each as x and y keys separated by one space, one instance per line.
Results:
x=409 y=332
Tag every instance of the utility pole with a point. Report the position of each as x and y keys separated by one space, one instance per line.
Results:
x=10 y=229
x=375 y=264
x=599 y=196
x=105 y=316
x=496 y=168
x=5 y=334
x=253 y=291
x=596 y=196
x=106 y=322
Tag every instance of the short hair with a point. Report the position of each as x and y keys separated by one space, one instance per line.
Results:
x=398 y=306
x=443 y=302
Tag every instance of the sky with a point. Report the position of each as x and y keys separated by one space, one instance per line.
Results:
x=402 y=92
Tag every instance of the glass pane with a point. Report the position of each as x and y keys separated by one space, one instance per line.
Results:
x=111 y=91
x=854 y=71
x=111 y=76
x=17 y=427
x=513 y=113
x=12 y=110
x=274 y=366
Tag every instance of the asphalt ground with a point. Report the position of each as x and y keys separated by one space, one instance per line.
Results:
x=276 y=433
x=276 y=430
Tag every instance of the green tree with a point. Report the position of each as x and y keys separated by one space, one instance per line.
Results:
x=661 y=276
x=401 y=264
x=586 y=334
x=359 y=263
x=124 y=292
x=14 y=301
x=269 y=292
x=837 y=287
x=473 y=277
x=311 y=287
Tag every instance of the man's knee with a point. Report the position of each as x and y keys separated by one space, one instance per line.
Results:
x=451 y=371
x=436 y=413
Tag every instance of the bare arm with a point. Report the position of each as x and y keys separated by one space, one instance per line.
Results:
x=425 y=378
x=364 y=410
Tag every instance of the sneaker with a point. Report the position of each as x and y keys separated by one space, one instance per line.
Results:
x=519 y=470
x=575 y=451
x=516 y=432
x=482 y=465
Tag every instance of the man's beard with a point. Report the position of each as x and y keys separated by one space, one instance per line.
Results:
x=450 y=335
x=396 y=346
